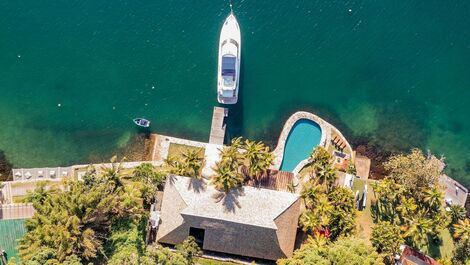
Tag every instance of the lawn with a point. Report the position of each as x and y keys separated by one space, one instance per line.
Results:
x=176 y=150
x=444 y=248
x=364 y=217
x=19 y=199
x=27 y=184
x=205 y=261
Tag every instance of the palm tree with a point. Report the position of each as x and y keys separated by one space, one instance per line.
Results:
x=322 y=165
x=456 y=213
x=320 y=156
x=462 y=229
x=192 y=163
x=310 y=193
x=226 y=177
x=418 y=230
x=149 y=179
x=343 y=213
x=231 y=157
x=113 y=174
x=407 y=207
x=258 y=157
x=386 y=238
x=309 y=221
x=323 y=210
x=388 y=194
x=433 y=199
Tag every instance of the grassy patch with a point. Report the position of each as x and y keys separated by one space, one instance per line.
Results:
x=364 y=217
x=443 y=248
x=204 y=261
x=18 y=199
x=177 y=150
x=27 y=184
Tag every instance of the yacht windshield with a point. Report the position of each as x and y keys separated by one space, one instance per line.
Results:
x=228 y=69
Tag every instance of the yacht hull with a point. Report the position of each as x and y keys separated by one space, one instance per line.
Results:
x=229 y=46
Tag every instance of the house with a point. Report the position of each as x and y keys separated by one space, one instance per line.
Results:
x=248 y=221
x=454 y=192
x=410 y=256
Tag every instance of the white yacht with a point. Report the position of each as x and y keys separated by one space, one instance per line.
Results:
x=228 y=71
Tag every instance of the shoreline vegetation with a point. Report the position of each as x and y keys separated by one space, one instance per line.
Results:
x=407 y=207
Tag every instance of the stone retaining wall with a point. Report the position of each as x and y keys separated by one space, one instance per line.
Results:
x=326 y=129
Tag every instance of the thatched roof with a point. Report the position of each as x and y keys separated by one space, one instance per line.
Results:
x=247 y=221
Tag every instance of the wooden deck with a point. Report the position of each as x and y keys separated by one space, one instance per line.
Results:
x=217 y=134
x=274 y=180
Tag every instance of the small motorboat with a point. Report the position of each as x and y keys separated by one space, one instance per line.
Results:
x=142 y=122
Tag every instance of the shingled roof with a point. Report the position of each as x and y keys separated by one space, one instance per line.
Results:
x=247 y=221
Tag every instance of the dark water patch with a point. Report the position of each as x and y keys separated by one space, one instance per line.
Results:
x=5 y=167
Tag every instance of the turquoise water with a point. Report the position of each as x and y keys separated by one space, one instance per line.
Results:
x=304 y=136
x=389 y=74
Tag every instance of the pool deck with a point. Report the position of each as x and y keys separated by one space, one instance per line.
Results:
x=326 y=129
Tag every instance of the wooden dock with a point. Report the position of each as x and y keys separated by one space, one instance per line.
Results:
x=218 y=126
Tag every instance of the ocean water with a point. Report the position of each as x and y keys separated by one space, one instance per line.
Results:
x=73 y=73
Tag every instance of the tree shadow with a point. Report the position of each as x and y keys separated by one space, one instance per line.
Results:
x=230 y=199
x=171 y=179
x=433 y=244
x=197 y=185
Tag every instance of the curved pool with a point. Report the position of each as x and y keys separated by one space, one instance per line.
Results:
x=304 y=136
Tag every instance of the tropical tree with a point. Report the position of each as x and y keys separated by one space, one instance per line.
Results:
x=189 y=249
x=415 y=170
x=322 y=164
x=433 y=199
x=231 y=157
x=310 y=193
x=462 y=230
x=258 y=157
x=344 y=212
x=184 y=254
x=406 y=207
x=76 y=219
x=226 y=177
x=456 y=213
x=193 y=162
x=150 y=179
x=40 y=193
x=387 y=239
x=189 y=164
x=333 y=213
x=461 y=253
x=346 y=251
x=417 y=230
x=389 y=195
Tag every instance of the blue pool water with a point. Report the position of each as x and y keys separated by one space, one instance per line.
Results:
x=303 y=137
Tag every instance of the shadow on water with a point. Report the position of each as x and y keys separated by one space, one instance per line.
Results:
x=5 y=167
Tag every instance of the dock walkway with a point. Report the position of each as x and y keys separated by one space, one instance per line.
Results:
x=217 y=134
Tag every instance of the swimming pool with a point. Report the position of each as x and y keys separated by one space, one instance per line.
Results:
x=303 y=137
